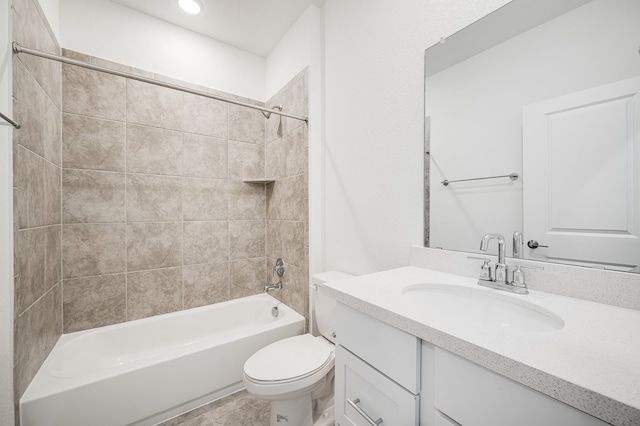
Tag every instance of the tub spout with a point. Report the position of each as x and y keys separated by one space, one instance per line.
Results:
x=269 y=287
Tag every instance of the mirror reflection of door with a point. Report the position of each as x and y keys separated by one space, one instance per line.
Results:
x=581 y=167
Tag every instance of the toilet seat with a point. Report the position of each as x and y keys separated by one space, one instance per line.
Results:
x=289 y=360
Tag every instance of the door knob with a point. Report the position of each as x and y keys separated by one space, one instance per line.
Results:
x=533 y=244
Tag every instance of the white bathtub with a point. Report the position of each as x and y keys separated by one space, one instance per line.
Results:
x=145 y=371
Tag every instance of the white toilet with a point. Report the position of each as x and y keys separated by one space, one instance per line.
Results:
x=296 y=374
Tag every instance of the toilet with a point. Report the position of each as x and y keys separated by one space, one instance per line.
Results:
x=296 y=374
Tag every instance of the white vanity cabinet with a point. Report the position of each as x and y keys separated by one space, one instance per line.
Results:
x=377 y=372
x=388 y=374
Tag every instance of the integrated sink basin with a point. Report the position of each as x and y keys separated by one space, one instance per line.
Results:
x=486 y=308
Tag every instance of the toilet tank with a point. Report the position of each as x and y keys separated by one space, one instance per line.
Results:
x=325 y=306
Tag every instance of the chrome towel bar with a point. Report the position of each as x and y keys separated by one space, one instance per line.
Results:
x=512 y=176
x=10 y=121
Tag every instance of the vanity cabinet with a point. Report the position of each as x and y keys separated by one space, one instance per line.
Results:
x=377 y=372
x=385 y=373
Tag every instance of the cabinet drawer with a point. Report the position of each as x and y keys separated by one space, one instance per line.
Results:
x=394 y=352
x=375 y=395
x=474 y=396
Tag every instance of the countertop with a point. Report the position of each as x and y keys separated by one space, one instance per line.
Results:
x=592 y=363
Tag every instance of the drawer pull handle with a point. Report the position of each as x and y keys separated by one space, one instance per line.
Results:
x=360 y=411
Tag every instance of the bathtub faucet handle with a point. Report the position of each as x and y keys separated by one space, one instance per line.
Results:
x=280 y=268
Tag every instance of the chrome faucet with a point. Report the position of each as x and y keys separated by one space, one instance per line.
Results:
x=500 y=275
x=279 y=269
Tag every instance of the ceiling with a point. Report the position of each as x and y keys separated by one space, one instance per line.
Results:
x=252 y=25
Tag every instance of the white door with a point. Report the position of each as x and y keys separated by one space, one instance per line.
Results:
x=581 y=177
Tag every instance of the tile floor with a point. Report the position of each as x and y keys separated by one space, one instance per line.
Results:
x=238 y=409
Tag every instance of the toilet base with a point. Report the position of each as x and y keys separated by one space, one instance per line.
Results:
x=294 y=412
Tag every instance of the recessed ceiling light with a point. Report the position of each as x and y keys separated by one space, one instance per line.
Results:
x=190 y=6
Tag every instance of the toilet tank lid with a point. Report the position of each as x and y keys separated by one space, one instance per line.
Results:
x=328 y=276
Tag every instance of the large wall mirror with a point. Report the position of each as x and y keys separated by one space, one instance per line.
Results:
x=532 y=124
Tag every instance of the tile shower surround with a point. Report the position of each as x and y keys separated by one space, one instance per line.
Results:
x=155 y=215
x=37 y=196
x=146 y=204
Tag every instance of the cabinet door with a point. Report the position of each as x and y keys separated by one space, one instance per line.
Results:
x=362 y=391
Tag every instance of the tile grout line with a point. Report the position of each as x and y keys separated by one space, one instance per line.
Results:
x=126 y=208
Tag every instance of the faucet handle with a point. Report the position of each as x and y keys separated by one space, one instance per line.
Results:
x=518 y=274
x=485 y=269
x=279 y=268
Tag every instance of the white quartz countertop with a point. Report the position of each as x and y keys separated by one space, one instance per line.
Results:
x=592 y=363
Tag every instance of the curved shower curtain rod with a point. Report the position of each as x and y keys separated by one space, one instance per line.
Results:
x=265 y=111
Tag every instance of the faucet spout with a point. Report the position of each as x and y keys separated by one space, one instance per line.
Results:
x=269 y=287
x=484 y=245
x=501 y=268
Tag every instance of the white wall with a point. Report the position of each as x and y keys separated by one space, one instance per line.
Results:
x=301 y=47
x=6 y=224
x=489 y=102
x=110 y=31
x=374 y=124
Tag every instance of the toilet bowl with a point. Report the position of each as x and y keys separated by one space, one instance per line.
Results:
x=296 y=374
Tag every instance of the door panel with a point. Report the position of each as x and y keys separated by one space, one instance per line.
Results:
x=581 y=176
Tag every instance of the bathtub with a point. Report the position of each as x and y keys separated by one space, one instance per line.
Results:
x=146 y=371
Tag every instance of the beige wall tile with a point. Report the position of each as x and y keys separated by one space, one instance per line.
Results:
x=246 y=125
x=94 y=302
x=93 y=249
x=120 y=67
x=154 y=245
x=205 y=116
x=205 y=284
x=294 y=101
x=154 y=106
x=29 y=176
x=52 y=129
x=36 y=332
x=276 y=158
x=93 y=93
x=274 y=239
x=91 y=143
x=28 y=109
x=51 y=77
x=205 y=157
x=52 y=193
x=206 y=242
x=246 y=161
x=154 y=198
x=205 y=199
x=296 y=152
x=287 y=199
x=247 y=277
x=248 y=201
x=91 y=196
x=153 y=150
x=153 y=292
x=30 y=283
x=53 y=255
x=246 y=239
